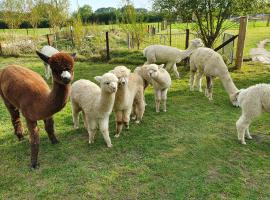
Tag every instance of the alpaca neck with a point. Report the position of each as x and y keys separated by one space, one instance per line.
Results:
x=228 y=84
x=158 y=79
x=186 y=53
x=106 y=102
x=57 y=98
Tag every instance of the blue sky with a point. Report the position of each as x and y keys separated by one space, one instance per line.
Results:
x=95 y=4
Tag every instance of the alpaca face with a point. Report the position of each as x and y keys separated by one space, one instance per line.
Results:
x=108 y=82
x=152 y=70
x=122 y=73
x=197 y=42
x=62 y=67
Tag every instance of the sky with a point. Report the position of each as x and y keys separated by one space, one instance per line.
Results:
x=95 y=4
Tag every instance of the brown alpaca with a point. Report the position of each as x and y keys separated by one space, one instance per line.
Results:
x=25 y=91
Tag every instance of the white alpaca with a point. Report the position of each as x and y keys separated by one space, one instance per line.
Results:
x=169 y=55
x=48 y=51
x=130 y=95
x=96 y=104
x=253 y=101
x=161 y=82
x=206 y=61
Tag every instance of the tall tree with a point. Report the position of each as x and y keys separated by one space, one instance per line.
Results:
x=13 y=12
x=85 y=12
x=210 y=16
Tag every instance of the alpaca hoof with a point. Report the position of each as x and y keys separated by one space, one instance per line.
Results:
x=34 y=166
x=55 y=141
x=76 y=127
x=133 y=117
x=157 y=111
x=243 y=142
x=20 y=137
x=249 y=137
x=109 y=145
x=210 y=99
x=191 y=89
x=164 y=110
x=137 y=121
x=117 y=135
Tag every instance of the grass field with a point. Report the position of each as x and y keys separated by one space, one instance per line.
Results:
x=190 y=152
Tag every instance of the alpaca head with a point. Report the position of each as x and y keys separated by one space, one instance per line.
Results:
x=152 y=69
x=196 y=43
x=108 y=82
x=234 y=98
x=62 y=66
x=122 y=73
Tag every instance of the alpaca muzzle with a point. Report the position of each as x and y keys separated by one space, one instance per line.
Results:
x=66 y=76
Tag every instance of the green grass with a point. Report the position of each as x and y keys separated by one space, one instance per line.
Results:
x=190 y=152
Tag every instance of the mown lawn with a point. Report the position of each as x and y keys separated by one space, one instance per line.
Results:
x=190 y=152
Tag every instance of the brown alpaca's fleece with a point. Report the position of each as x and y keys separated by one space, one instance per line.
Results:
x=25 y=91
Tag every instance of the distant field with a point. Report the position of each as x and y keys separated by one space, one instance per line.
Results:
x=257 y=31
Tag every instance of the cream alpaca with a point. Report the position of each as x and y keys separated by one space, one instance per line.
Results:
x=130 y=95
x=170 y=55
x=253 y=101
x=96 y=104
x=161 y=82
x=206 y=61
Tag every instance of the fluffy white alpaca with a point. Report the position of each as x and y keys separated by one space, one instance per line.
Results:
x=206 y=61
x=130 y=95
x=253 y=101
x=48 y=51
x=170 y=55
x=96 y=104
x=161 y=82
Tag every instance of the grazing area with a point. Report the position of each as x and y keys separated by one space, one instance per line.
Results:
x=189 y=152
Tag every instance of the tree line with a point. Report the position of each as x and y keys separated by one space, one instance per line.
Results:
x=55 y=14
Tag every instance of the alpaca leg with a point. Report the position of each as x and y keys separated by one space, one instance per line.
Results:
x=176 y=71
x=199 y=81
x=15 y=118
x=241 y=126
x=191 y=80
x=209 y=88
x=49 y=127
x=34 y=142
x=126 y=117
x=119 y=123
x=158 y=99
x=164 y=99
x=248 y=136
x=91 y=129
x=104 y=128
x=75 y=114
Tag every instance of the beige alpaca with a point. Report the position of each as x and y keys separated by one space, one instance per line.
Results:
x=170 y=55
x=253 y=101
x=96 y=104
x=161 y=82
x=130 y=95
x=206 y=61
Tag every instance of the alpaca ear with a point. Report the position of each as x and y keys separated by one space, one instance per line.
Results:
x=43 y=57
x=98 y=78
x=160 y=66
x=74 y=55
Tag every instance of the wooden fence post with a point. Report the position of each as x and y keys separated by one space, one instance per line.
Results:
x=241 y=42
x=158 y=27
x=187 y=38
x=107 y=46
x=170 y=33
x=1 y=51
x=48 y=39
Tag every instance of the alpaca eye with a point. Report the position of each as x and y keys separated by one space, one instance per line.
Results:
x=107 y=83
